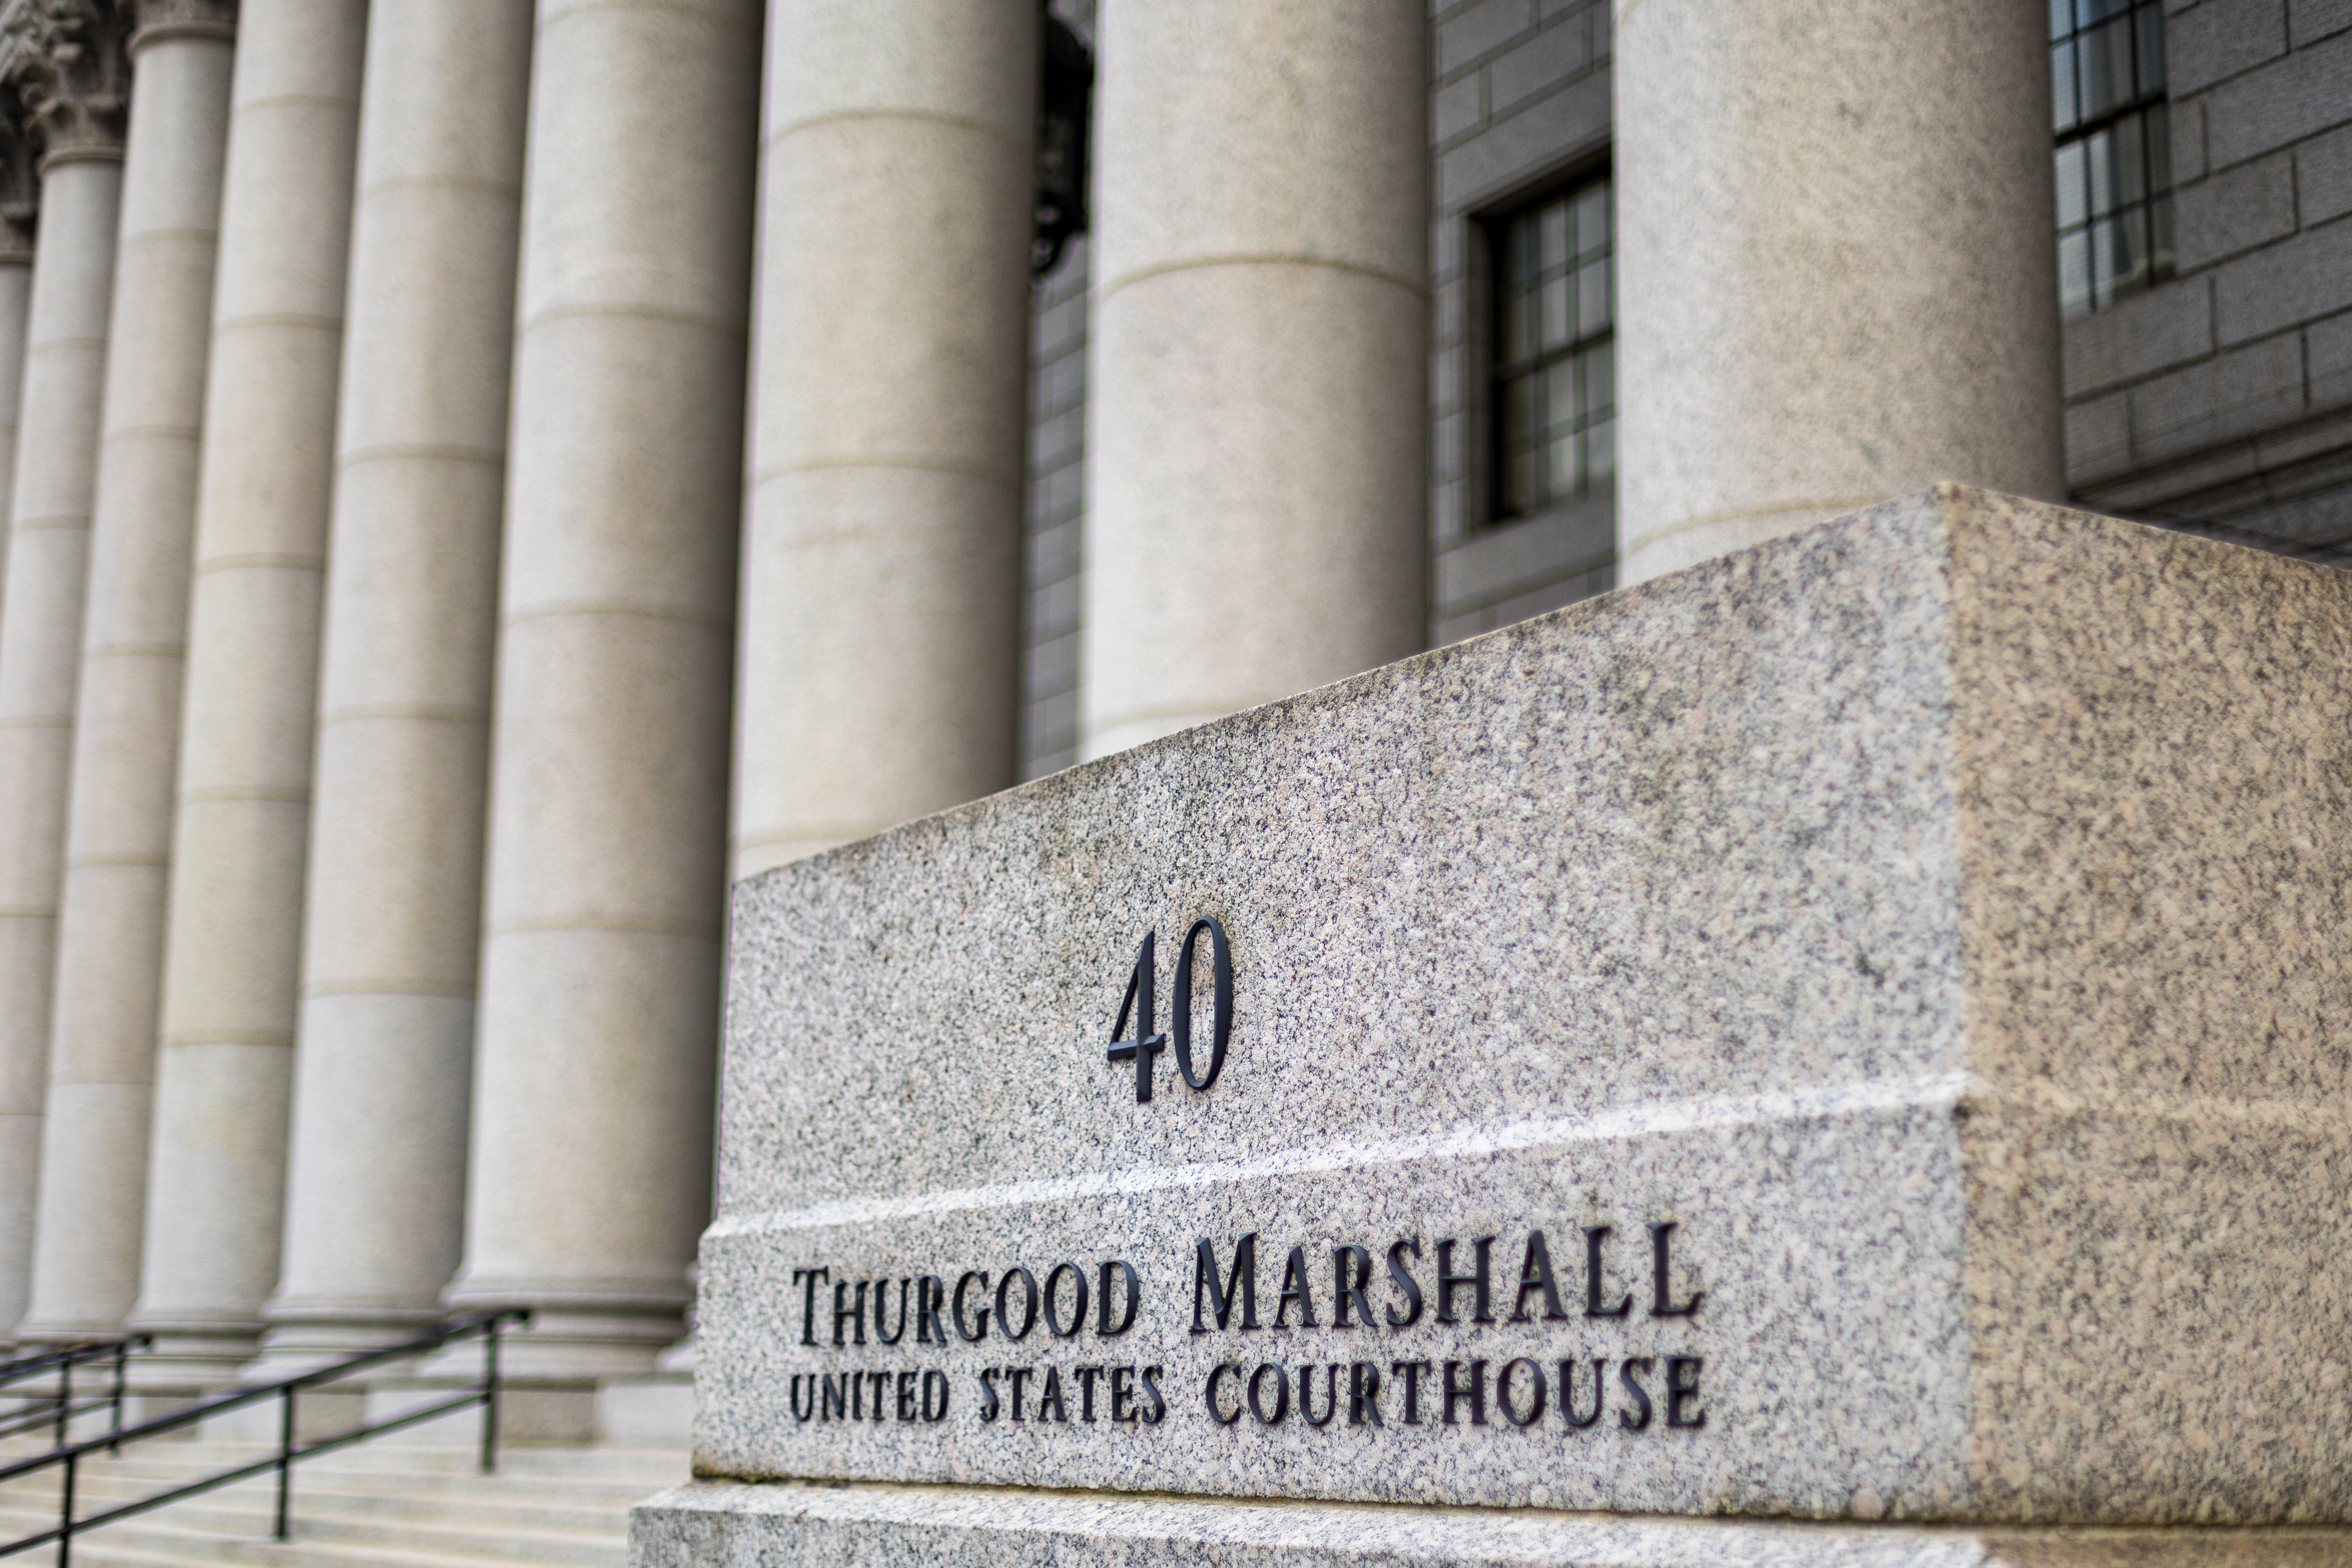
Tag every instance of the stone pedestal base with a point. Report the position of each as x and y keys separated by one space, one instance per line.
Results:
x=722 y=1525
x=528 y=1413
x=646 y=1412
x=138 y=1409
x=317 y=1414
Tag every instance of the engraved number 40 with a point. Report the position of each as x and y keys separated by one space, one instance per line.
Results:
x=1140 y=1003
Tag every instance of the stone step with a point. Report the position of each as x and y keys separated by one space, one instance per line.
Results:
x=624 y=1467
x=383 y=1505
x=201 y=1526
x=521 y=1457
x=519 y=1509
x=314 y=1478
x=614 y=1489
x=99 y=1551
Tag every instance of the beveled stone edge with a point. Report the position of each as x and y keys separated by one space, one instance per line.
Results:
x=1281 y=1533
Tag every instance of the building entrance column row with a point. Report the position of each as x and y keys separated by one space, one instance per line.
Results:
x=517 y=533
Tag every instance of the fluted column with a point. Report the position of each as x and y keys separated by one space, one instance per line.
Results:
x=235 y=935
x=881 y=558
x=1254 y=519
x=22 y=1074
x=600 y=957
x=1836 y=277
x=374 y=1207
x=74 y=77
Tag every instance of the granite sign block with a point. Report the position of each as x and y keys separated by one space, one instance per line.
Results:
x=1856 y=1030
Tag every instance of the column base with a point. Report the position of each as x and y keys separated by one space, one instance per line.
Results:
x=781 y=1524
x=305 y=1340
x=567 y=1341
x=188 y=1361
x=33 y=1336
x=301 y=1341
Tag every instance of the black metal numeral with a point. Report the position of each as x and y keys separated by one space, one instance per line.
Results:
x=1140 y=1003
x=1221 y=1003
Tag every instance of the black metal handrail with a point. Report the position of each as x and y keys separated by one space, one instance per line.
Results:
x=25 y=1367
x=59 y=1410
x=70 y=1455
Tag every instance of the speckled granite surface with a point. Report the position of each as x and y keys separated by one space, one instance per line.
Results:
x=1939 y=919
x=718 y=1525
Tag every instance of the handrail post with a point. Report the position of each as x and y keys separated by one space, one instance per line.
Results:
x=121 y=1363
x=491 y=1396
x=65 y=1518
x=285 y=1454
x=70 y=1455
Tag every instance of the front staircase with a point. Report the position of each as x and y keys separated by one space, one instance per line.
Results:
x=380 y=1505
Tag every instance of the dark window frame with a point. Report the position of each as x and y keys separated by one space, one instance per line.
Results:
x=2111 y=118
x=1493 y=373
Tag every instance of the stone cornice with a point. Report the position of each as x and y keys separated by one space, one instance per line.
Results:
x=69 y=66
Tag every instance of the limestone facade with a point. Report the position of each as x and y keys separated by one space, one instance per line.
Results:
x=484 y=474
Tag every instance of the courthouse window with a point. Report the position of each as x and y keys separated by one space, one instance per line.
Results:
x=1554 y=355
x=2115 y=150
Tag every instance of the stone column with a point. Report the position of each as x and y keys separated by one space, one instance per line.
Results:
x=1836 y=274
x=22 y=1073
x=119 y=822
x=74 y=78
x=600 y=955
x=374 y=1209
x=881 y=559
x=1255 y=517
x=235 y=935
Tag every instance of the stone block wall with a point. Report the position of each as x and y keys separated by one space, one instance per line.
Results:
x=2221 y=401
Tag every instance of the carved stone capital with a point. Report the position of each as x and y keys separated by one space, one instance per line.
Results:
x=20 y=182
x=70 y=67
